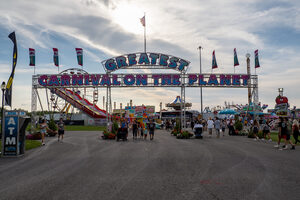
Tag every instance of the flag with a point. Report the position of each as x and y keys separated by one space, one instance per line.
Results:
x=79 y=53
x=214 y=61
x=143 y=21
x=256 y=59
x=236 y=61
x=31 y=57
x=55 y=57
x=8 y=91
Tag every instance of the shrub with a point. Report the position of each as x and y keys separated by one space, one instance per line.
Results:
x=52 y=125
x=184 y=135
x=238 y=125
x=250 y=134
x=115 y=127
x=177 y=126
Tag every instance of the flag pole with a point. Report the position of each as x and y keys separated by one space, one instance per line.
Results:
x=201 y=99
x=145 y=33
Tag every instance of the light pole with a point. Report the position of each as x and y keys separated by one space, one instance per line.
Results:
x=3 y=86
x=201 y=86
x=249 y=80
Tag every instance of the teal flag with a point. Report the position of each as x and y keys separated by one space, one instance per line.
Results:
x=236 y=61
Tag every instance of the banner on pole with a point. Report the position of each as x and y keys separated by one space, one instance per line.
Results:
x=256 y=59
x=55 y=57
x=79 y=53
x=236 y=61
x=8 y=91
x=143 y=21
x=214 y=61
x=31 y=57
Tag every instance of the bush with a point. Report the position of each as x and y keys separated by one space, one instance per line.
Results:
x=107 y=135
x=52 y=125
x=115 y=127
x=238 y=125
x=177 y=126
x=184 y=135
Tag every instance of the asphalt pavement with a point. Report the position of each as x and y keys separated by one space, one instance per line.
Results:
x=86 y=167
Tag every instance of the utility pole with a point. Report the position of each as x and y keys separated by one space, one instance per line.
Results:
x=201 y=99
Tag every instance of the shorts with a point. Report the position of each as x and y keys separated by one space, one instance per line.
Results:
x=266 y=131
x=151 y=132
x=286 y=136
x=61 y=132
x=210 y=130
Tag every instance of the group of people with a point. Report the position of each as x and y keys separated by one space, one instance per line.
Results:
x=217 y=124
x=141 y=129
x=287 y=127
x=44 y=127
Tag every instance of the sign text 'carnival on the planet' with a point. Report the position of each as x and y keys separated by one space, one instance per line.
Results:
x=143 y=80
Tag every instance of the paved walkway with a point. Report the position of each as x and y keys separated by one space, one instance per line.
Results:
x=86 y=167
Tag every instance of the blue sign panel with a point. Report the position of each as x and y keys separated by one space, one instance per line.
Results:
x=10 y=140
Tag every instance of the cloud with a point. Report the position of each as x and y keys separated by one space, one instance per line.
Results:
x=177 y=30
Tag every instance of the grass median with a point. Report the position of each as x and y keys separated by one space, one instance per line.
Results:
x=29 y=144
x=274 y=137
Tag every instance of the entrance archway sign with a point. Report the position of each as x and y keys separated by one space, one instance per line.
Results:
x=82 y=79
x=143 y=80
x=145 y=60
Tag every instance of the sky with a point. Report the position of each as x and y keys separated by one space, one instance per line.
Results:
x=108 y=28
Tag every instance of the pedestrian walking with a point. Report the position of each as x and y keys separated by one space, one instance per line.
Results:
x=281 y=128
x=295 y=130
x=61 y=129
x=134 y=129
x=217 y=125
x=255 y=129
x=210 y=126
x=43 y=130
x=141 y=130
x=266 y=131
x=223 y=126
x=230 y=127
x=145 y=130
x=151 y=127
x=286 y=134
x=192 y=124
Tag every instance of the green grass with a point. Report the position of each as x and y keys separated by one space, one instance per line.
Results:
x=29 y=144
x=274 y=137
x=84 y=128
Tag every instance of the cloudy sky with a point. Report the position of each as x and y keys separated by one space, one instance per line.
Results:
x=107 y=28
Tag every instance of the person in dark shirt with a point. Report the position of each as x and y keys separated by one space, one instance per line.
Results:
x=286 y=130
x=61 y=129
x=151 y=127
x=134 y=128
x=280 y=123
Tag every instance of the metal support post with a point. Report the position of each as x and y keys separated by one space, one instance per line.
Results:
x=201 y=99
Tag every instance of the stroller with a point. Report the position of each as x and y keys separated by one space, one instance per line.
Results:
x=122 y=134
x=198 y=129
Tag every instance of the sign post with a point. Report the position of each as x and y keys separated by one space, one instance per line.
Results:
x=10 y=137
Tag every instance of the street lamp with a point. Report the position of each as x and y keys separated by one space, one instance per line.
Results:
x=3 y=86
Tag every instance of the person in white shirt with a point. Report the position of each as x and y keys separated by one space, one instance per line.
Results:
x=210 y=126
